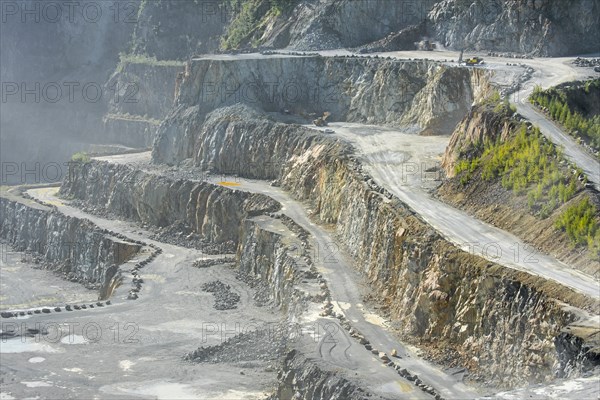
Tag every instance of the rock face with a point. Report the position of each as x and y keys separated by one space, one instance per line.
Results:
x=242 y=141
x=129 y=131
x=214 y=212
x=480 y=124
x=391 y=92
x=264 y=254
x=449 y=299
x=398 y=41
x=144 y=88
x=175 y=30
x=141 y=95
x=540 y=27
x=325 y=24
x=75 y=246
x=302 y=378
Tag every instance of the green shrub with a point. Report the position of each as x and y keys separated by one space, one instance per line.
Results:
x=468 y=166
x=580 y=223
x=80 y=157
x=249 y=20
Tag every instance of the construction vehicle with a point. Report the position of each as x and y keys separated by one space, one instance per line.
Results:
x=474 y=61
x=426 y=45
x=322 y=121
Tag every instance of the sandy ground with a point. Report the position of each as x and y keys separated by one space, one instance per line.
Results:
x=24 y=286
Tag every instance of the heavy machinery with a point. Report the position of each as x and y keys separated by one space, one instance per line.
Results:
x=322 y=121
x=426 y=45
x=474 y=61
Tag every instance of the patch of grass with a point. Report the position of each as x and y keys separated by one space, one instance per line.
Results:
x=580 y=223
x=144 y=59
x=80 y=157
x=499 y=104
x=244 y=23
x=466 y=168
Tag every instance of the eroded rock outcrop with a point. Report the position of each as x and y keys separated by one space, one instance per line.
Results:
x=479 y=125
x=174 y=30
x=143 y=88
x=324 y=25
x=302 y=378
x=76 y=247
x=212 y=211
x=141 y=93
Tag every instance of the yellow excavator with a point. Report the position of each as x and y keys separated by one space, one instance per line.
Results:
x=474 y=61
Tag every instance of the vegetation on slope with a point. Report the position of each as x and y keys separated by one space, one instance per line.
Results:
x=251 y=17
x=80 y=157
x=147 y=60
x=575 y=107
x=528 y=165
x=580 y=223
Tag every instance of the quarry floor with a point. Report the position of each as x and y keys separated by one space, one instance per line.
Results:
x=130 y=349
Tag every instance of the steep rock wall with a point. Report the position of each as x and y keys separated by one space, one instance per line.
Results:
x=131 y=132
x=145 y=89
x=75 y=246
x=212 y=211
x=380 y=91
x=262 y=253
x=324 y=25
x=541 y=27
x=175 y=30
x=242 y=141
x=139 y=95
